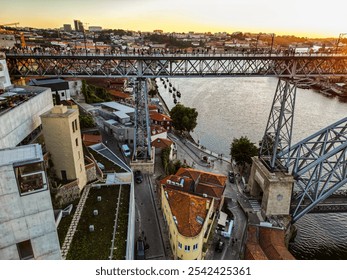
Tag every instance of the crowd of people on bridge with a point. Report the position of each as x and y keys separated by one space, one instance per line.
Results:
x=148 y=51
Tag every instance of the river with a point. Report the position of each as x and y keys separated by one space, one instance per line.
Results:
x=233 y=107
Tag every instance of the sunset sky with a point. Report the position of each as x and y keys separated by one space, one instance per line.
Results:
x=292 y=17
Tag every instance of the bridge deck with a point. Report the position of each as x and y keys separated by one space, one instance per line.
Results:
x=176 y=65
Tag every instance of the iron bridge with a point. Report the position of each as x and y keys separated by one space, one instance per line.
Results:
x=176 y=65
x=318 y=163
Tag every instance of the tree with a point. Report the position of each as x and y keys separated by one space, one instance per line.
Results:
x=242 y=150
x=86 y=121
x=184 y=119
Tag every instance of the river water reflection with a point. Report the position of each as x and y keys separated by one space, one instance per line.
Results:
x=234 y=107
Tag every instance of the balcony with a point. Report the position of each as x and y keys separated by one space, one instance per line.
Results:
x=31 y=178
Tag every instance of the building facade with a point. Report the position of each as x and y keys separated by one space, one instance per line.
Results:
x=27 y=223
x=4 y=76
x=63 y=140
x=59 y=87
x=189 y=219
x=20 y=115
x=67 y=27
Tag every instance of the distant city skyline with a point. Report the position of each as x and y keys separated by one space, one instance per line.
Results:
x=297 y=17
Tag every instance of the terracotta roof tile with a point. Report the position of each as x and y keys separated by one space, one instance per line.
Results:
x=90 y=139
x=210 y=190
x=159 y=117
x=162 y=143
x=187 y=183
x=157 y=129
x=205 y=177
x=254 y=252
x=119 y=94
x=266 y=241
x=272 y=242
x=186 y=208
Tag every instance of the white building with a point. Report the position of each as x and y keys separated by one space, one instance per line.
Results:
x=4 y=76
x=7 y=41
x=27 y=223
x=95 y=28
x=20 y=113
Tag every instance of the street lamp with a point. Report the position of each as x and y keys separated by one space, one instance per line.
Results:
x=338 y=41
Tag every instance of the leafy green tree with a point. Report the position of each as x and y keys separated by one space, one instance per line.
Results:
x=86 y=121
x=94 y=94
x=242 y=150
x=184 y=119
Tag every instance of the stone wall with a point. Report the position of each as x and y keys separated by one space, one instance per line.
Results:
x=91 y=172
x=275 y=188
x=67 y=193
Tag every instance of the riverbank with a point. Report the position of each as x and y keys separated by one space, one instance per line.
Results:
x=329 y=87
x=195 y=147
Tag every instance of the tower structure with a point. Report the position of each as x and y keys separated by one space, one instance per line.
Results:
x=63 y=141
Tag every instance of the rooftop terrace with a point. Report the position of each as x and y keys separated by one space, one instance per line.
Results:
x=15 y=96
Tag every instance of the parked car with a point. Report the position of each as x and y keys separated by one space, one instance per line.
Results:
x=140 y=249
x=126 y=150
x=219 y=246
x=231 y=176
x=138 y=176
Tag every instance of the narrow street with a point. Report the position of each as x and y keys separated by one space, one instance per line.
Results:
x=233 y=194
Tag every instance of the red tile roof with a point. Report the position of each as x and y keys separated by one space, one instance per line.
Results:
x=272 y=242
x=90 y=139
x=210 y=190
x=157 y=129
x=264 y=242
x=161 y=143
x=205 y=177
x=187 y=182
x=119 y=94
x=198 y=182
x=159 y=117
x=152 y=107
x=188 y=210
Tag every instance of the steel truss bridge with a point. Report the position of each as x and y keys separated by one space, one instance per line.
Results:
x=318 y=163
x=176 y=65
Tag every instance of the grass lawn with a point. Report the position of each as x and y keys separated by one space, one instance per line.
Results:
x=96 y=245
x=122 y=224
x=65 y=222
x=109 y=165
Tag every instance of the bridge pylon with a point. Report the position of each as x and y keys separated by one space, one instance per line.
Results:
x=278 y=132
x=143 y=155
x=269 y=176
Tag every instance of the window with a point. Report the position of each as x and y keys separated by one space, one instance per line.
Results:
x=76 y=141
x=79 y=154
x=30 y=177
x=195 y=247
x=187 y=248
x=74 y=125
x=179 y=245
x=63 y=175
x=25 y=250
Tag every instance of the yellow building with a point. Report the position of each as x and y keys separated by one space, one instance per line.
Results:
x=63 y=141
x=189 y=219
